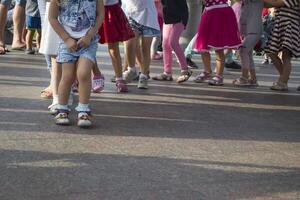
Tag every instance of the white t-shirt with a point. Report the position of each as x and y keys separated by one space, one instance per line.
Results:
x=110 y=2
x=142 y=11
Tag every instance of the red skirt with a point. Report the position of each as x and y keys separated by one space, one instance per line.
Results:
x=115 y=26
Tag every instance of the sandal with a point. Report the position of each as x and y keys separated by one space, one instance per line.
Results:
x=216 y=81
x=202 y=77
x=184 y=76
x=279 y=86
x=46 y=94
x=240 y=82
x=163 y=77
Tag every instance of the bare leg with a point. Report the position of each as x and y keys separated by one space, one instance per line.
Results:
x=68 y=76
x=114 y=52
x=84 y=68
x=38 y=39
x=19 y=21
x=145 y=47
x=130 y=49
x=55 y=76
x=277 y=62
x=287 y=66
x=220 y=60
x=3 y=16
x=29 y=37
x=206 y=61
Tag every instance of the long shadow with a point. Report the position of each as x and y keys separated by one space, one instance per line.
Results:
x=33 y=175
x=117 y=118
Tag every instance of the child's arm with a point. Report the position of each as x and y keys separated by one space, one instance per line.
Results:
x=53 y=15
x=273 y=3
x=85 y=41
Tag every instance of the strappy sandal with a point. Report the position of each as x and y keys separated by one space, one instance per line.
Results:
x=184 y=76
x=279 y=86
x=216 y=81
x=163 y=77
x=202 y=77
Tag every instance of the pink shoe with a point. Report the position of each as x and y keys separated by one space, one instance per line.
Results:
x=121 y=86
x=97 y=84
x=157 y=56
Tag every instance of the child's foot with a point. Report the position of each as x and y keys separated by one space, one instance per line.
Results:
x=83 y=120
x=143 y=82
x=184 y=76
x=97 y=84
x=29 y=51
x=202 y=77
x=121 y=86
x=191 y=64
x=130 y=74
x=62 y=118
x=217 y=80
x=279 y=86
x=163 y=77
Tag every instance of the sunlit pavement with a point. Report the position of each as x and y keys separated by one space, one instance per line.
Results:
x=170 y=142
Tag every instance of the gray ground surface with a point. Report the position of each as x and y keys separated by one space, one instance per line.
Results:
x=185 y=142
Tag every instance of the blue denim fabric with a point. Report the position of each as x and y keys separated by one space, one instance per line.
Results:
x=7 y=3
x=68 y=13
x=143 y=30
x=64 y=56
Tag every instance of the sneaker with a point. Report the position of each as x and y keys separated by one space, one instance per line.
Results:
x=202 y=77
x=53 y=110
x=62 y=118
x=84 y=120
x=279 y=86
x=98 y=84
x=121 y=86
x=29 y=51
x=163 y=77
x=191 y=64
x=130 y=75
x=216 y=81
x=143 y=82
x=233 y=66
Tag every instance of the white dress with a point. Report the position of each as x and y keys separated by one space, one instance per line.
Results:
x=49 y=40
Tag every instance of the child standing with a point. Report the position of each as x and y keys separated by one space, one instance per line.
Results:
x=218 y=30
x=142 y=17
x=285 y=38
x=33 y=24
x=115 y=29
x=176 y=15
x=77 y=24
x=251 y=31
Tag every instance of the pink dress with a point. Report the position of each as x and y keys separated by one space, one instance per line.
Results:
x=218 y=27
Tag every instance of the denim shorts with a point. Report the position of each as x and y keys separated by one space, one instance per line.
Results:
x=143 y=30
x=7 y=3
x=65 y=56
x=33 y=22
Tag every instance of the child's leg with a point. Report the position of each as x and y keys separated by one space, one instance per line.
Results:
x=220 y=60
x=67 y=79
x=174 y=43
x=84 y=68
x=287 y=66
x=246 y=53
x=130 y=49
x=56 y=74
x=38 y=38
x=206 y=61
x=114 y=52
x=29 y=37
x=277 y=62
x=146 y=56
x=96 y=70
x=167 y=50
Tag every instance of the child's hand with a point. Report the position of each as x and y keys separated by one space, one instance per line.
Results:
x=84 y=41
x=71 y=44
